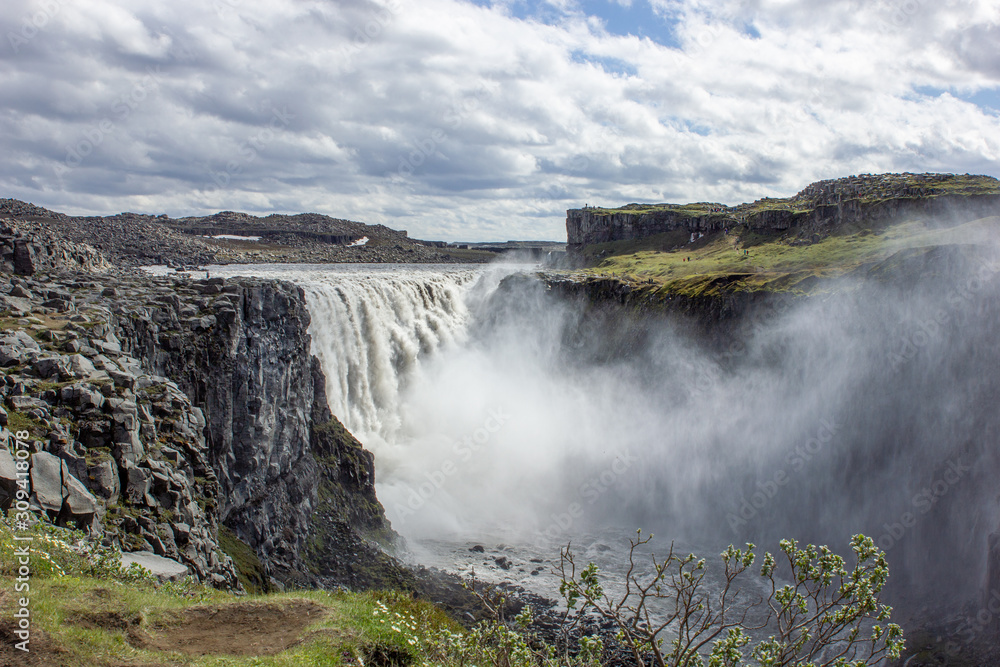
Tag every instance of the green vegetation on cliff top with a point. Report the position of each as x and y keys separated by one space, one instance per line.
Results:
x=752 y=262
x=868 y=188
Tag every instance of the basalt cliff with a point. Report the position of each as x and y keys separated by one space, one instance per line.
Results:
x=182 y=419
x=819 y=209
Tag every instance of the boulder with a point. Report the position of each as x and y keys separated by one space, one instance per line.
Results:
x=123 y=411
x=81 y=367
x=20 y=339
x=8 y=478
x=15 y=304
x=88 y=351
x=27 y=403
x=102 y=479
x=163 y=568
x=47 y=367
x=82 y=396
x=46 y=481
x=106 y=346
x=79 y=505
x=10 y=355
x=137 y=486
x=172 y=455
x=60 y=305
x=129 y=451
x=24 y=264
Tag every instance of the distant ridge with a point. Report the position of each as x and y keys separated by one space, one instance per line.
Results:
x=137 y=239
x=818 y=208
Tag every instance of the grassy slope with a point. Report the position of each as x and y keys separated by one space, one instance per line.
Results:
x=773 y=263
x=93 y=622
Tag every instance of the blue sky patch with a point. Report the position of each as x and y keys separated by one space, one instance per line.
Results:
x=610 y=65
x=640 y=19
x=987 y=99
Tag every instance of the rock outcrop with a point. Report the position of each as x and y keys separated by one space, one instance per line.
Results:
x=155 y=410
x=136 y=239
x=112 y=448
x=869 y=200
x=240 y=349
x=28 y=247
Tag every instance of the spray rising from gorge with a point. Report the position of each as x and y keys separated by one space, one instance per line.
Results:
x=498 y=408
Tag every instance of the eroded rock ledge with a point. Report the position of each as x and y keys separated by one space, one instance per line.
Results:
x=160 y=409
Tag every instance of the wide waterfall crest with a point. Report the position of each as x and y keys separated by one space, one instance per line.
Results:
x=370 y=333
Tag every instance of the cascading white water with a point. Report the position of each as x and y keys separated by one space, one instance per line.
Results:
x=371 y=333
x=515 y=415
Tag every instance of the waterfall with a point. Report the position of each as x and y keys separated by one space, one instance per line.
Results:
x=518 y=415
x=371 y=333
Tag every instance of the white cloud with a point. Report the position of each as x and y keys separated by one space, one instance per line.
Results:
x=463 y=122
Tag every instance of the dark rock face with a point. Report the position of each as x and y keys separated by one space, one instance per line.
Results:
x=585 y=226
x=276 y=449
x=159 y=408
x=97 y=458
x=27 y=247
x=820 y=208
x=23 y=264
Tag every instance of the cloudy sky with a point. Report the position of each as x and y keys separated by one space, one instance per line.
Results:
x=483 y=120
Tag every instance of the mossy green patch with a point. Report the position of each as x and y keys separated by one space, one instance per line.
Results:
x=18 y=421
x=249 y=569
x=752 y=261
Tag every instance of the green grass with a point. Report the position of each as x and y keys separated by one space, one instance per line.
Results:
x=774 y=263
x=248 y=566
x=89 y=621
x=18 y=421
x=695 y=210
x=86 y=612
x=950 y=184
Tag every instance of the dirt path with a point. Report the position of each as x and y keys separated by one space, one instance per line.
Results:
x=247 y=628
x=239 y=629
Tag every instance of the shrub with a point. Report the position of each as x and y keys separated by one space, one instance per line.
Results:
x=827 y=616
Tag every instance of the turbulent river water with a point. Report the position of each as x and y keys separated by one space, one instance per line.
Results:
x=516 y=419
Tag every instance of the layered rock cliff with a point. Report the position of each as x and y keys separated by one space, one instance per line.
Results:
x=241 y=351
x=821 y=207
x=179 y=406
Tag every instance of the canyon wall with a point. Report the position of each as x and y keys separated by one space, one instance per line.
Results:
x=808 y=212
x=180 y=406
